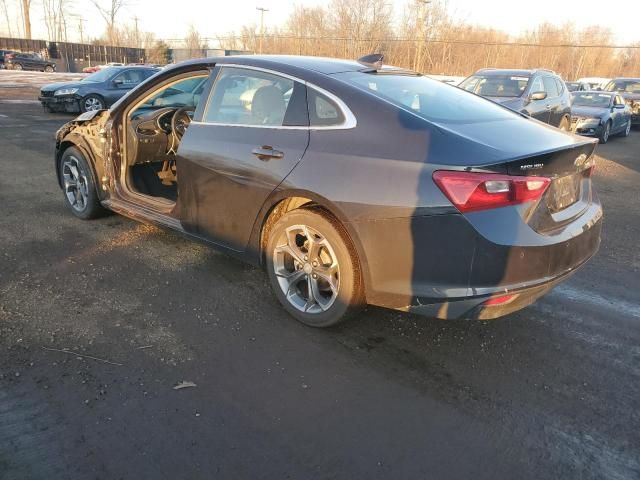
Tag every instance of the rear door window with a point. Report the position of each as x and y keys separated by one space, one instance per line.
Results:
x=255 y=98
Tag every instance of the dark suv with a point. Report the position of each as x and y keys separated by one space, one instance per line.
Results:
x=28 y=61
x=541 y=94
x=629 y=89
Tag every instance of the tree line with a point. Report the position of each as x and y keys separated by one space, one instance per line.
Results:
x=424 y=36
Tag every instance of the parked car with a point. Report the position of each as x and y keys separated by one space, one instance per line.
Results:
x=629 y=89
x=578 y=86
x=600 y=114
x=351 y=183
x=2 y=55
x=95 y=92
x=540 y=94
x=595 y=83
x=28 y=61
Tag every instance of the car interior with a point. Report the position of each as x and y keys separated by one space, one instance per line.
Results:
x=154 y=130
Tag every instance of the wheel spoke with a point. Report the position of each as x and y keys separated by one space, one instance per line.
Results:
x=328 y=275
x=286 y=249
x=311 y=294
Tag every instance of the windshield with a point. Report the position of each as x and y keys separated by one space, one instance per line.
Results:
x=101 y=75
x=601 y=100
x=508 y=86
x=624 y=86
x=433 y=100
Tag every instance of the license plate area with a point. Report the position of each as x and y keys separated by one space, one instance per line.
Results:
x=563 y=192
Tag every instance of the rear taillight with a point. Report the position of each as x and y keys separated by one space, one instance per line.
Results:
x=470 y=191
x=500 y=300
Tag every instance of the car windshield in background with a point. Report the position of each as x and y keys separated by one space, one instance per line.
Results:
x=509 y=86
x=591 y=100
x=101 y=75
x=624 y=86
x=433 y=100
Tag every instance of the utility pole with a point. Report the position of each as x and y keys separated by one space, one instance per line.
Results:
x=81 y=28
x=421 y=34
x=26 y=14
x=262 y=10
x=135 y=19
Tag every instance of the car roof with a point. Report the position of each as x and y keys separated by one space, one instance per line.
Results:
x=635 y=79
x=513 y=71
x=324 y=65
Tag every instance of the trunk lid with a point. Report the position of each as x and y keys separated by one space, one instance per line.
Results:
x=570 y=192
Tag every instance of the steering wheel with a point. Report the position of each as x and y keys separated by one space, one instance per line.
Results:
x=180 y=121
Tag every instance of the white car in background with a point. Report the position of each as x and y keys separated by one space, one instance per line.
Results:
x=596 y=83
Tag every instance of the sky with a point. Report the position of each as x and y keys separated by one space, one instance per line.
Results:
x=215 y=17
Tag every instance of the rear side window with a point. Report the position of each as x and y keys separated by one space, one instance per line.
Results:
x=550 y=86
x=323 y=111
x=250 y=97
x=430 y=99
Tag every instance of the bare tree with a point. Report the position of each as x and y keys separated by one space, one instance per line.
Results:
x=194 y=43
x=26 y=16
x=5 y=12
x=56 y=13
x=109 y=12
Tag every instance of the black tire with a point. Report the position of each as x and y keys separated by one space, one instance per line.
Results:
x=89 y=99
x=49 y=69
x=627 y=130
x=17 y=66
x=606 y=133
x=565 y=124
x=334 y=241
x=83 y=180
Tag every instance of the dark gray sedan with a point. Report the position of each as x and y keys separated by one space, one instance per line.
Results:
x=350 y=182
x=98 y=91
x=600 y=114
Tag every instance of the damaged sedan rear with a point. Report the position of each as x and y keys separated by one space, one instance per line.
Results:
x=349 y=182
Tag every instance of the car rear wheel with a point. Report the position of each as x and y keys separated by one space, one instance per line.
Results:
x=313 y=268
x=91 y=103
x=48 y=69
x=79 y=188
x=627 y=131
x=604 y=136
x=564 y=124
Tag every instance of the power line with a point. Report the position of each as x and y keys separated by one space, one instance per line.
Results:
x=428 y=40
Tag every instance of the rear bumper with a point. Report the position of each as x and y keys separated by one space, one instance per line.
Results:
x=61 y=103
x=447 y=269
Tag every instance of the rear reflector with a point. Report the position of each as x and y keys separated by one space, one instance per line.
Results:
x=470 y=191
x=501 y=300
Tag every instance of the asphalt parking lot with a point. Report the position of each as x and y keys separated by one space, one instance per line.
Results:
x=100 y=320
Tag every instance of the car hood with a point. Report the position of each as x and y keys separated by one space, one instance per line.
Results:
x=514 y=103
x=583 y=111
x=57 y=86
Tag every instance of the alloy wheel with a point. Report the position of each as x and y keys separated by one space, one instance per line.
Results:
x=628 y=129
x=92 y=103
x=307 y=269
x=76 y=186
x=605 y=135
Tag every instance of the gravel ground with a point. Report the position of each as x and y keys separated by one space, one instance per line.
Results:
x=100 y=320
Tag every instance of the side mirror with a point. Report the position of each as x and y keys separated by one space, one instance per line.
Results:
x=619 y=105
x=538 y=96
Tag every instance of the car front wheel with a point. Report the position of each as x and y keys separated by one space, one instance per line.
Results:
x=91 y=103
x=313 y=268
x=627 y=131
x=606 y=131
x=79 y=188
x=17 y=66
x=48 y=69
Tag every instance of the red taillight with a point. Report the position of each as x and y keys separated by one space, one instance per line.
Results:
x=501 y=300
x=470 y=191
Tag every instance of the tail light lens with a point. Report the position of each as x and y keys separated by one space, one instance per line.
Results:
x=470 y=191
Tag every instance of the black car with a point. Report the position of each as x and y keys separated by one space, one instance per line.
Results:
x=540 y=94
x=95 y=92
x=629 y=89
x=28 y=61
x=352 y=183
x=600 y=114
x=578 y=86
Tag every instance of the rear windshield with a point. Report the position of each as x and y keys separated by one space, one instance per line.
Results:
x=591 y=100
x=433 y=100
x=509 y=86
